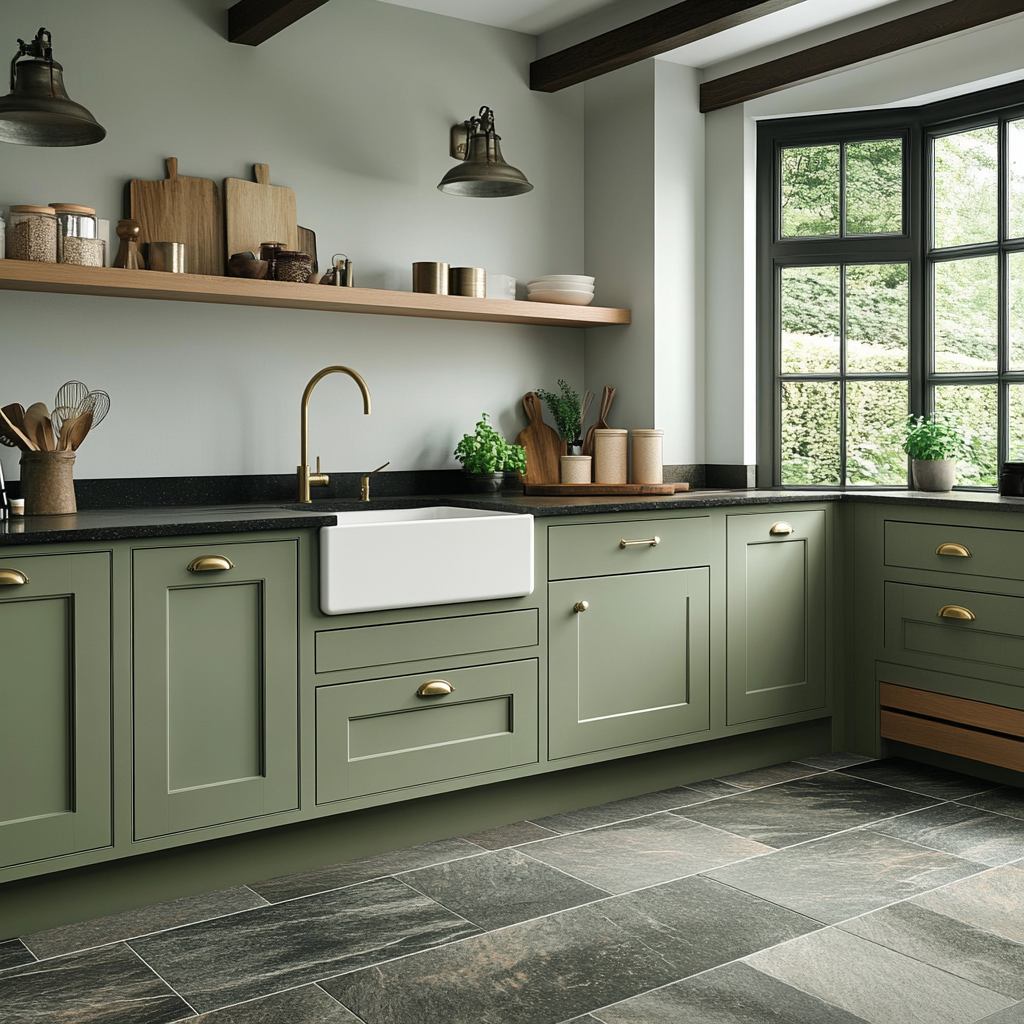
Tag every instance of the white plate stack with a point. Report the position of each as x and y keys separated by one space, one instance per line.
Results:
x=569 y=289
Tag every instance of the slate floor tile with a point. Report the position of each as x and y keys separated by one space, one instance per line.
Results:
x=232 y=959
x=875 y=983
x=13 y=954
x=968 y=832
x=1004 y=800
x=132 y=923
x=1012 y=1015
x=734 y=994
x=986 y=959
x=621 y=810
x=544 y=972
x=501 y=888
x=307 y=1005
x=101 y=986
x=646 y=851
x=805 y=809
x=842 y=876
x=770 y=776
x=696 y=923
x=993 y=900
x=834 y=761
x=509 y=835
x=920 y=778
x=351 y=872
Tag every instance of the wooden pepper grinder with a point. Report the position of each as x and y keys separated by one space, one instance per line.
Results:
x=128 y=256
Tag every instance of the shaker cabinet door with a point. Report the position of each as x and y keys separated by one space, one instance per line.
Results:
x=215 y=684
x=776 y=615
x=634 y=665
x=55 y=691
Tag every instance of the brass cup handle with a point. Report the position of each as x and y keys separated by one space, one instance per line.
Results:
x=781 y=530
x=210 y=563
x=12 y=578
x=581 y=606
x=957 y=550
x=652 y=542
x=955 y=611
x=435 y=688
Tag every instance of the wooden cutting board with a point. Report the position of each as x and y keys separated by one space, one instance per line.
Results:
x=587 y=490
x=181 y=209
x=307 y=243
x=543 y=445
x=602 y=420
x=256 y=211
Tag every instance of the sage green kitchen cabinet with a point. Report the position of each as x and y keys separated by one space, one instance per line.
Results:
x=629 y=659
x=215 y=684
x=55 y=705
x=776 y=614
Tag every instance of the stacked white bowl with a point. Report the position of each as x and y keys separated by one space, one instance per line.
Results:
x=570 y=289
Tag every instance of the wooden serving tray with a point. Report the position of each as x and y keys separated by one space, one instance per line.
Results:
x=588 y=490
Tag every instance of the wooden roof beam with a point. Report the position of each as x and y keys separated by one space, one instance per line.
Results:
x=254 y=21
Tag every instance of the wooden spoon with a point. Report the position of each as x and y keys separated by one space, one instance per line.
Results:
x=81 y=427
x=63 y=444
x=20 y=439
x=602 y=420
x=34 y=427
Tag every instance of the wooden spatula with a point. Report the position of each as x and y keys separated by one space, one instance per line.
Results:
x=602 y=420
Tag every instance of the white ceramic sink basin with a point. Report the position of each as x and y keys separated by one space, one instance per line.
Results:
x=405 y=558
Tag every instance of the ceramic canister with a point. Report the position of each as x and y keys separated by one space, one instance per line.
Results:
x=648 y=456
x=610 y=451
x=575 y=469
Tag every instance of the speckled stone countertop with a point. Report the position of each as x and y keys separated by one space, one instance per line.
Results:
x=180 y=521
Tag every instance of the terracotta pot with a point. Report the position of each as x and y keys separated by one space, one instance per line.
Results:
x=933 y=474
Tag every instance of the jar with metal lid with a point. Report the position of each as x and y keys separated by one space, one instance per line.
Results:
x=33 y=234
x=78 y=240
x=291 y=265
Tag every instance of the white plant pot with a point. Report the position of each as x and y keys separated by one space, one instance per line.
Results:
x=933 y=474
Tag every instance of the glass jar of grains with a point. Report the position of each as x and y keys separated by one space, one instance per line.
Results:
x=32 y=234
x=78 y=240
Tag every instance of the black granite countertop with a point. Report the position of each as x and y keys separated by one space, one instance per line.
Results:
x=180 y=521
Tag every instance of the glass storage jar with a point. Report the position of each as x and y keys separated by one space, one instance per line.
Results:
x=78 y=240
x=32 y=234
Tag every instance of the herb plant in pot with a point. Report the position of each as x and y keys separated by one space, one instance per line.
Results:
x=934 y=443
x=486 y=457
x=569 y=412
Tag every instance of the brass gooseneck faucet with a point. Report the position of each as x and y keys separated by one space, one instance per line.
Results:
x=318 y=479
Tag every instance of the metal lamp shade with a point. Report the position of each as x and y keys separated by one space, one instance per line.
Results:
x=484 y=173
x=38 y=111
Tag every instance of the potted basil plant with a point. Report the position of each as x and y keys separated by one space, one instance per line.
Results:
x=569 y=412
x=934 y=443
x=486 y=457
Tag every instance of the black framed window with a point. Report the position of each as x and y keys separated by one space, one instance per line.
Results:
x=891 y=280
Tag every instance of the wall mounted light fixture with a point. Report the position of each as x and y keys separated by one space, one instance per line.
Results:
x=38 y=110
x=483 y=172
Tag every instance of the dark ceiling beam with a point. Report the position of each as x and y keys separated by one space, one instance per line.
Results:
x=658 y=33
x=254 y=21
x=914 y=29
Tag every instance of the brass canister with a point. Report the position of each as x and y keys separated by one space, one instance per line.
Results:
x=468 y=281
x=430 y=277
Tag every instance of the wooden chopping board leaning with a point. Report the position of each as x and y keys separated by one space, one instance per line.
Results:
x=257 y=212
x=543 y=446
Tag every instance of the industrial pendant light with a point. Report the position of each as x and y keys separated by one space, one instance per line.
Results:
x=483 y=172
x=38 y=111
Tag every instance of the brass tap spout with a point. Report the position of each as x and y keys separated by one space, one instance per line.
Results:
x=318 y=479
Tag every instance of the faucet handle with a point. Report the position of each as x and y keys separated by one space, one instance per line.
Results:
x=364 y=482
x=318 y=479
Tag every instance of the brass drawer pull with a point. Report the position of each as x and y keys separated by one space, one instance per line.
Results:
x=581 y=606
x=650 y=542
x=957 y=550
x=210 y=563
x=12 y=578
x=435 y=688
x=781 y=530
x=955 y=611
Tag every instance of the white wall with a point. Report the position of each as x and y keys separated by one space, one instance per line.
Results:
x=351 y=107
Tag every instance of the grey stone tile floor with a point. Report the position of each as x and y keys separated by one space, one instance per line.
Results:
x=831 y=891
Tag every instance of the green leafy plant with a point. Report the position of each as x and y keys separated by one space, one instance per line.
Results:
x=933 y=437
x=486 y=451
x=567 y=409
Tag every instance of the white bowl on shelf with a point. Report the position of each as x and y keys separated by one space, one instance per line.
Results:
x=565 y=296
x=546 y=286
x=565 y=279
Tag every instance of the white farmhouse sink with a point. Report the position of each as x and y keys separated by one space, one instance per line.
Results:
x=405 y=558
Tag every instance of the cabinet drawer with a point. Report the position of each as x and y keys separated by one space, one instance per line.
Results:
x=990 y=645
x=595 y=549
x=968 y=550
x=393 y=643
x=379 y=735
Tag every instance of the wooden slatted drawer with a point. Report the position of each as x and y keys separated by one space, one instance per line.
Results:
x=960 y=549
x=596 y=549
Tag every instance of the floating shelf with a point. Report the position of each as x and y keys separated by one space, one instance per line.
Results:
x=22 y=275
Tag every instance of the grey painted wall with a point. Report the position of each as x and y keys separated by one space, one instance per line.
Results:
x=351 y=108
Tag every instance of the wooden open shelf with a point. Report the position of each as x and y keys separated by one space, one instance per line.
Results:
x=22 y=275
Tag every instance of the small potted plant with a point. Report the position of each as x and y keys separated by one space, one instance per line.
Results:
x=486 y=457
x=569 y=411
x=934 y=443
